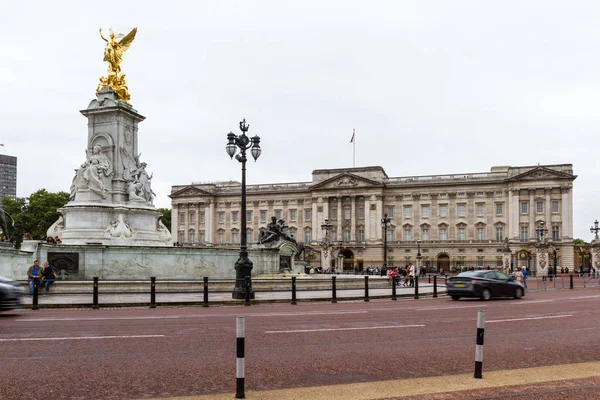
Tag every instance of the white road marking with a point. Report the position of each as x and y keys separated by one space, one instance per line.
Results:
x=447 y=308
x=81 y=338
x=279 y=314
x=534 y=301
x=346 y=329
x=95 y=318
x=584 y=297
x=528 y=319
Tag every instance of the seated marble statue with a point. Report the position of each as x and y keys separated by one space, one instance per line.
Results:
x=92 y=172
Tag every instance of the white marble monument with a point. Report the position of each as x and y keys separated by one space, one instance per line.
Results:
x=111 y=194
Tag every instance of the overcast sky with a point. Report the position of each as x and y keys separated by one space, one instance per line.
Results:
x=431 y=87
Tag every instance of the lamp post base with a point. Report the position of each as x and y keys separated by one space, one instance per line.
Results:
x=243 y=268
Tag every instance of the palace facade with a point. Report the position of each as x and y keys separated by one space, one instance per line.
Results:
x=456 y=220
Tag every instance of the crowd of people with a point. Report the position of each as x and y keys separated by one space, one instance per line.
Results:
x=45 y=276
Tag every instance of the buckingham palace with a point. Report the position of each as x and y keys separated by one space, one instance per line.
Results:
x=453 y=220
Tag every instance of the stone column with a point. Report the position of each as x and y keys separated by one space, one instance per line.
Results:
x=513 y=211
x=368 y=233
x=567 y=212
x=209 y=222
x=379 y=215
x=548 y=210
x=532 y=210
x=175 y=223
x=353 y=219
x=313 y=222
x=340 y=216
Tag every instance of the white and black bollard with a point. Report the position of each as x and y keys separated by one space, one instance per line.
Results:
x=239 y=361
x=479 y=345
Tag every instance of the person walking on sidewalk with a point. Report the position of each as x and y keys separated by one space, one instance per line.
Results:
x=35 y=271
x=411 y=275
x=524 y=273
x=48 y=276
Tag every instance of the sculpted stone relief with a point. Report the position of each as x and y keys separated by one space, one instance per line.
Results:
x=118 y=229
x=94 y=174
x=137 y=179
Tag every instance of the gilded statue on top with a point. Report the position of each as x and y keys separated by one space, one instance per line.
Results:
x=113 y=54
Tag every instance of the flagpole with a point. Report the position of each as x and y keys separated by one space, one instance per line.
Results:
x=354 y=149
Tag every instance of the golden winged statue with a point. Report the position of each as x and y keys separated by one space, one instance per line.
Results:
x=113 y=54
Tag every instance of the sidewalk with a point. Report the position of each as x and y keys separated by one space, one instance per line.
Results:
x=67 y=300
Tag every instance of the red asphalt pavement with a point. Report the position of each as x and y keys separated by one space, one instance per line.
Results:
x=164 y=352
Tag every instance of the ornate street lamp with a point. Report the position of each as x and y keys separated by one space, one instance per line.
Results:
x=243 y=266
x=385 y=224
x=594 y=229
x=325 y=243
x=419 y=257
x=542 y=242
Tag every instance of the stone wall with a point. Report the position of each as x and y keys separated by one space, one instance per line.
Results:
x=127 y=262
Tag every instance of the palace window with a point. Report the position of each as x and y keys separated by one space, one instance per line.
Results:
x=307 y=215
x=249 y=217
x=307 y=236
x=234 y=237
x=539 y=207
x=407 y=212
x=181 y=236
x=407 y=234
x=234 y=216
x=181 y=218
x=292 y=215
x=334 y=235
x=524 y=207
x=361 y=212
x=480 y=233
x=390 y=211
x=333 y=213
x=460 y=210
x=425 y=234
x=221 y=238
x=555 y=206
x=499 y=233
x=443 y=211
x=192 y=218
x=263 y=216
x=221 y=217
x=347 y=235
x=443 y=234
x=480 y=210
x=347 y=213
x=201 y=217
x=202 y=237
x=192 y=236
x=425 y=211
x=461 y=233
x=278 y=214
x=555 y=232
x=499 y=209
x=524 y=232
x=390 y=235
x=361 y=235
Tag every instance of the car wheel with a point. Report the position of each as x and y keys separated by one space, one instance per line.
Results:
x=455 y=297
x=486 y=294
x=518 y=293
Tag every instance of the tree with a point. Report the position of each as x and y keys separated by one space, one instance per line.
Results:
x=34 y=214
x=579 y=242
x=166 y=217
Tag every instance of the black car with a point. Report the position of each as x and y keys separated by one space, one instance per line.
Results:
x=485 y=285
x=10 y=294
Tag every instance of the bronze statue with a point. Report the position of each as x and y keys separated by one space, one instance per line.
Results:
x=3 y=226
x=113 y=54
x=275 y=231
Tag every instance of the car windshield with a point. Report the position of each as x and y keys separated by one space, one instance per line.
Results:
x=469 y=273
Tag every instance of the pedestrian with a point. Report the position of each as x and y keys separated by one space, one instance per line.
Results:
x=411 y=274
x=48 y=276
x=525 y=274
x=35 y=271
x=519 y=277
x=391 y=275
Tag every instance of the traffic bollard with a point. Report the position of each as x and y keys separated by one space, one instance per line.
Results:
x=205 y=292
x=239 y=359
x=294 y=291
x=394 y=289
x=366 y=288
x=95 y=296
x=435 y=286
x=333 y=290
x=416 y=287
x=429 y=279
x=479 y=345
x=248 y=288
x=152 y=292
x=36 y=290
x=571 y=281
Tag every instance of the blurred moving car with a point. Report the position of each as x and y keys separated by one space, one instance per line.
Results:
x=485 y=285
x=10 y=294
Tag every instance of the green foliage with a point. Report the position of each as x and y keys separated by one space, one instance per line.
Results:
x=579 y=242
x=166 y=217
x=34 y=214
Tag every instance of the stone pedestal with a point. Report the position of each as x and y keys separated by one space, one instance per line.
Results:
x=595 y=253
x=542 y=261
